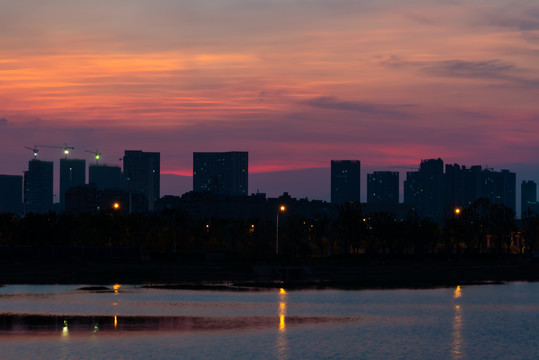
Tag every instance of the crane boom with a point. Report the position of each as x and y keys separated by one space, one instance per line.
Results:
x=65 y=147
x=34 y=149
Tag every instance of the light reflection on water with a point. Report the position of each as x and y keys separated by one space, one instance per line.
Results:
x=457 y=349
x=468 y=322
x=282 y=342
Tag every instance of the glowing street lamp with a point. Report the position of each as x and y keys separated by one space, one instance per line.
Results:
x=116 y=206
x=282 y=208
x=457 y=211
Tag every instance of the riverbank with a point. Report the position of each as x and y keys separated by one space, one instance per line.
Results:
x=338 y=273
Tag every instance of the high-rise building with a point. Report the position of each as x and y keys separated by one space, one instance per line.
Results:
x=221 y=172
x=412 y=189
x=457 y=186
x=11 y=194
x=383 y=188
x=528 y=198
x=106 y=177
x=508 y=184
x=499 y=187
x=38 y=186
x=424 y=190
x=142 y=174
x=345 y=181
x=72 y=173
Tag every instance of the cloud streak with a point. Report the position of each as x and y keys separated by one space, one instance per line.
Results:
x=331 y=103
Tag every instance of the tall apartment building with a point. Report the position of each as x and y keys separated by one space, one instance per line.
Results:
x=345 y=181
x=38 y=182
x=106 y=177
x=425 y=189
x=221 y=172
x=528 y=198
x=435 y=194
x=72 y=173
x=383 y=188
x=499 y=187
x=142 y=174
x=11 y=194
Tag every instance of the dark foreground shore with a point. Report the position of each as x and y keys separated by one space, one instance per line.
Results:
x=337 y=273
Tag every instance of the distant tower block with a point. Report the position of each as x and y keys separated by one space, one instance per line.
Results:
x=72 y=173
x=106 y=177
x=345 y=181
x=38 y=187
x=142 y=174
x=11 y=194
x=221 y=172
x=383 y=188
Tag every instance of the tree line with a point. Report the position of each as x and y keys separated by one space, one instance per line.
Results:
x=483 y=227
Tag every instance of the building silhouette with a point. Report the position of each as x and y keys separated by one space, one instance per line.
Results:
x=499 y=187
x=425 y=189
x=345 y=181
x=508 y=184
x=106 y=177
x=463 y=185
x=221 y=172
x=83 y=198
x=383 y=188
x=142 y=174
x=435 y=194
x=72 y=173
x=38 y=182
x=528 y=199
x=11 y=194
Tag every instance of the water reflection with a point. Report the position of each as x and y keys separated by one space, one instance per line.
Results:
x=282 y=341
x=458 y=293
x=65 y=329
x=24 y=324
x=282 y=310
x=457 y=336
x=116 y=287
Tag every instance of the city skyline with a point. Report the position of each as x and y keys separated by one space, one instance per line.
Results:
x=498 y=186
x=389 y=83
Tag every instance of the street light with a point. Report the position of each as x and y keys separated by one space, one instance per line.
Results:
x=457 y=211
x=282 y=208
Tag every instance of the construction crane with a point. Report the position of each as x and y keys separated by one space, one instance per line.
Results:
x=34 y=149
x=97 y=155
x=65 y=147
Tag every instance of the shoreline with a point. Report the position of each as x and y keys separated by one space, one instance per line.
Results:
x=239 y=276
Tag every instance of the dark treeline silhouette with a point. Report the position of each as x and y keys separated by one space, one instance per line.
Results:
x=482 y=228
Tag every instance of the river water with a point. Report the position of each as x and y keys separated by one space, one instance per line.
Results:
x=129 y=322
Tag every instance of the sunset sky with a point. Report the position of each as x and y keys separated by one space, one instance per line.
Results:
x=294 y=82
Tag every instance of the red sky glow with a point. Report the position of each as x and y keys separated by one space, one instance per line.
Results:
x=296 y=83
